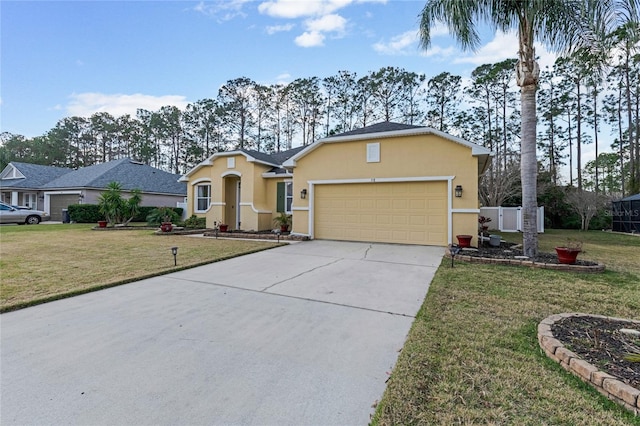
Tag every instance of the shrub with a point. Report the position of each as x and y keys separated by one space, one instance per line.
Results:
x=195 y=222
x=117 y=209
x=164 y=214
x=85 y=213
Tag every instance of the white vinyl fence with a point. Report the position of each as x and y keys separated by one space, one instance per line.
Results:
x=509 y=219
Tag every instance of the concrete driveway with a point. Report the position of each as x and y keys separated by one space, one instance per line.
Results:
x=302 y=334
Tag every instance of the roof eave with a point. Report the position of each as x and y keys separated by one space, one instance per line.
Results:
x=476 y=150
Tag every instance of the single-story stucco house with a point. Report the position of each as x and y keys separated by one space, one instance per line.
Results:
x=389 y=182
x=53 y=189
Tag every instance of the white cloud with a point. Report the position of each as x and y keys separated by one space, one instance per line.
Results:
x=398 y=45
x=327 y=23
x=321 y=17
x=310 y=39
x=279 y=28
x=283 y=78
x=86 y=104
x=298 y=9
x=222 y=10
x=504 y=46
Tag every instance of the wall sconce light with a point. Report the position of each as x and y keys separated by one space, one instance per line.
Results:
x=174 y=251
x=80 y=198
x=458 y=191
x=303 y=194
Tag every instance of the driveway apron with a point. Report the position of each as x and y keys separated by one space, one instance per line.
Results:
x=304 y=334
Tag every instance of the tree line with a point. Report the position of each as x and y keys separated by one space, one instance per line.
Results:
x=575 y=104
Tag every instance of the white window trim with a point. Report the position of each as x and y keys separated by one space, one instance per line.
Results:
x=196 y=198
x=288 y=184
x=373 y=152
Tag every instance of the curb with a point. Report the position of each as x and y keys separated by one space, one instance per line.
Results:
x=606 y=384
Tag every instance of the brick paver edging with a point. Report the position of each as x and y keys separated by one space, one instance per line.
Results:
x=528 y=263
x=606 y=384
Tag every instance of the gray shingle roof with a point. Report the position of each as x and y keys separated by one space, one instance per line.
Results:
x=35 y=175
x=385 y=126
x=635 y=197
x=130 y=174
x=277 y=158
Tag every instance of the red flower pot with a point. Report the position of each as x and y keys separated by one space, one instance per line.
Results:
x=102 y=223
x=567 y=255
x=166 y=226
x=464 y=240
x=224 y=228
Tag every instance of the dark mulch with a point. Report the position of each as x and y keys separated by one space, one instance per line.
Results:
x=509 y=250
x=600 y=342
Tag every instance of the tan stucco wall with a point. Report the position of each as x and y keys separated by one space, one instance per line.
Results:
x=411 y=156
x=257 y=194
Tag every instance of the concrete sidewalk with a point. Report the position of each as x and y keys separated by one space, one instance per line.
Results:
x=301 y=334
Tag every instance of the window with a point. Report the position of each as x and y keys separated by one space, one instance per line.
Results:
x=284 y=197
x=289 y=186
x=203 y=197
x=373 y=153
x=29 y=200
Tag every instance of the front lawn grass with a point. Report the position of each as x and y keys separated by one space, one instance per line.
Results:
x=48 y=261
x=472 y=355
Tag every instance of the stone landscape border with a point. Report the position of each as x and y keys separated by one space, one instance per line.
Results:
x=606 y=384
x=528 y=263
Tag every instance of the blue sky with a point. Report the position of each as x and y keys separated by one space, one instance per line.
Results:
x=64 y=58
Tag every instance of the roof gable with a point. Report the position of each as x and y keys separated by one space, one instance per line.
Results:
x=275 y=160
x=388 y=130
x=27 y=175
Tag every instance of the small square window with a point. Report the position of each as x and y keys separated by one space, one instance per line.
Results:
x=373 y=152
x=231 y=163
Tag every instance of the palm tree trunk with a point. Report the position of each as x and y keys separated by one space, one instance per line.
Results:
x=529 y=171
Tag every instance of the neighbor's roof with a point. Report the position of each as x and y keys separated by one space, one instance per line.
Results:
x=386 y=130
x=130 y=174
x=32 y=176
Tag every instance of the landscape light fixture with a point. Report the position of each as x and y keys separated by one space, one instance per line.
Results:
x=454 y=249
x=174 y=251
x=458 y=191
x=303 y=193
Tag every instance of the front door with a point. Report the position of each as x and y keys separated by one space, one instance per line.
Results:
x=232 y=202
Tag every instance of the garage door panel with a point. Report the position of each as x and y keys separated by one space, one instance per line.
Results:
x=57 y=202
x=398 y=212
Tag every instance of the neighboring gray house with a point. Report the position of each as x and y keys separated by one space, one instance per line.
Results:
x=54 y=188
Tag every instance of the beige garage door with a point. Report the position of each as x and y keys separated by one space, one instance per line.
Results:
x=402 y=212
x=59 y=202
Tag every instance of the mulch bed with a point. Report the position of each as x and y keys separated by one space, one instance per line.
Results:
x=600 y=342
x=508 y=250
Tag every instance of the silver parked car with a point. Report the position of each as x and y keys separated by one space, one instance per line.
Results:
x=13 y=214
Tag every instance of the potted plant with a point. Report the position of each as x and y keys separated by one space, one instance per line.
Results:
x=102 y=223
x=464 y=240
x=163 y=217
x=483 y=220
x=223 y=227
x=284 y=220
x=569 y=252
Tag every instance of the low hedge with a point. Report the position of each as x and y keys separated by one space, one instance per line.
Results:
x=90 y=213
x=85 y=213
